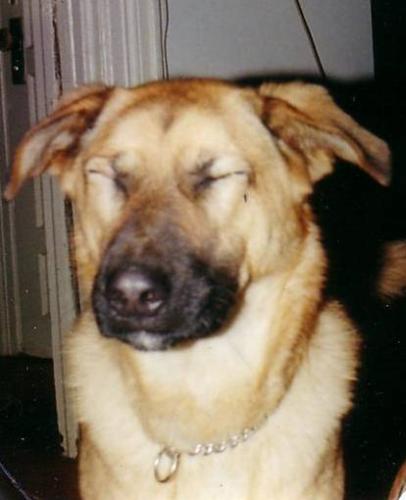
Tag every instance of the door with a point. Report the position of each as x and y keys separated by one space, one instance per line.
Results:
x=26 y=324
x=36 y=292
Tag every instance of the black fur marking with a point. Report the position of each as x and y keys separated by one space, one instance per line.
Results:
x=200 y=296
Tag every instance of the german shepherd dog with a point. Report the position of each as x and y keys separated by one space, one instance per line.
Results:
x=207 y=362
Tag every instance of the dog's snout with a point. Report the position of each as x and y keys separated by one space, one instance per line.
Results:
x=137 y=292
x=155 y=297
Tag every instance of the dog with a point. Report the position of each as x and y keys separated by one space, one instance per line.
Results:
x=207 y=362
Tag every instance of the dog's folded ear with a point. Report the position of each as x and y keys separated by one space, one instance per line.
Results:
x=55 y=139
x=306 y=119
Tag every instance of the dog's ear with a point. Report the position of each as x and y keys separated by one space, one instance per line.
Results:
x=306 y=119
x=55 y=140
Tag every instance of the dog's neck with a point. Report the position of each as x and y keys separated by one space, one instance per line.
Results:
x=181 y=402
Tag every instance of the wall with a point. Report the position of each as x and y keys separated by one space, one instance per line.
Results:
x=235 y=38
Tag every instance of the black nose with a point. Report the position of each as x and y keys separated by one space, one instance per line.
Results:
x=137 y=291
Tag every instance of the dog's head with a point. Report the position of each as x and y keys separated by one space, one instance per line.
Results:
x=188 y=191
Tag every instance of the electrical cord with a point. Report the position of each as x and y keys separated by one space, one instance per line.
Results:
x=14 y=484
x=164 y=28
x=311 y=39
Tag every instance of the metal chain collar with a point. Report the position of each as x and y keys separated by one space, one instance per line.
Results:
x=167 y=461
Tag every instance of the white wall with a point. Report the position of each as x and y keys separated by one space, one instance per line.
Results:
x=342 y=30
x=234 y=38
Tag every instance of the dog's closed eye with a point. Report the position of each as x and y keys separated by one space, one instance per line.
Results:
x=213 y=171
x=102 y=171
x=206 y=182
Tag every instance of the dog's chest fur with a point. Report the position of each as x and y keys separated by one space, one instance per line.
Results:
x=176 y=396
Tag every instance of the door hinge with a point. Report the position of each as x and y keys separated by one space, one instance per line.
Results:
x=11 y=40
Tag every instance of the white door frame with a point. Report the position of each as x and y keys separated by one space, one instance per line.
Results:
x=117 y=42
x=11 y=341
x=73 y=42
x=10 y=324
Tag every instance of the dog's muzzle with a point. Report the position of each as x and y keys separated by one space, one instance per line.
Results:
x=155 y=303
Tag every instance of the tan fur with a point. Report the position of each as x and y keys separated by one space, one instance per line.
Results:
x=392 y=280
x=286 y=354
x=399 y=484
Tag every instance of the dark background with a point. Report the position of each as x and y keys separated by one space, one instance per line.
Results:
x=358 y=218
